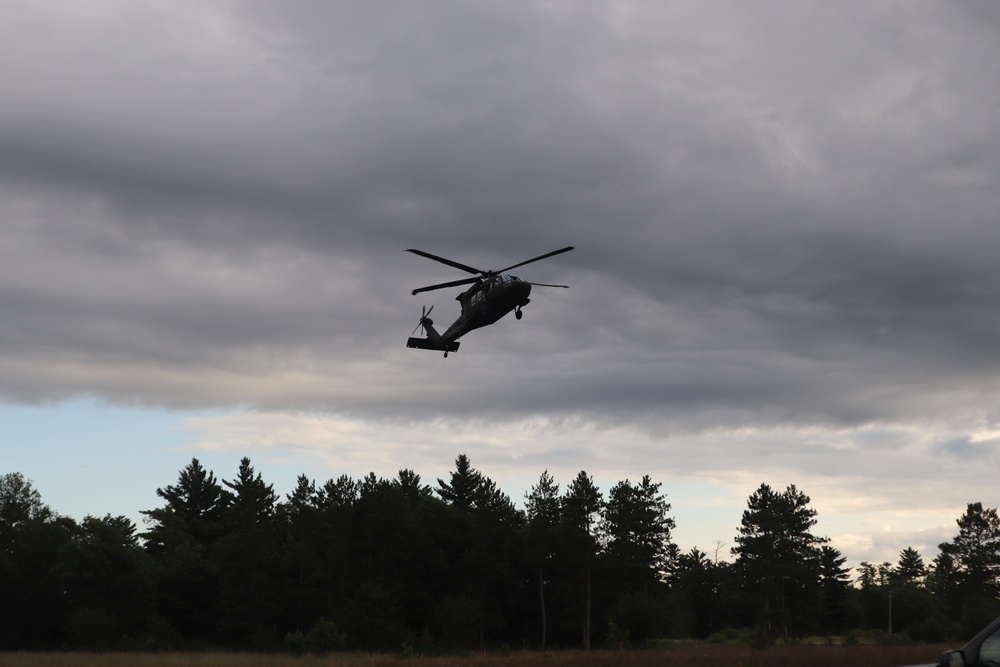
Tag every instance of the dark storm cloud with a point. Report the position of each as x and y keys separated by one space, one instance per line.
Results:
x=783 y=215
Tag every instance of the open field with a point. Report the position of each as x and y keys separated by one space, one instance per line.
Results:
x=679 y=655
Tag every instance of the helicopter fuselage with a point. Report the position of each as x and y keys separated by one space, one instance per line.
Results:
x=486 y=302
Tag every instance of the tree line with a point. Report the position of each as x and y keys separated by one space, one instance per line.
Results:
x=399 y=565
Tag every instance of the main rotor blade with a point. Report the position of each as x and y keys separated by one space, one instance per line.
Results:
x=454 y=283
x=548 y=254
x=449 y=262
x=547 y=285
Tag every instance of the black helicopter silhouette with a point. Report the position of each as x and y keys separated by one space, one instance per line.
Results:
x=493 y=294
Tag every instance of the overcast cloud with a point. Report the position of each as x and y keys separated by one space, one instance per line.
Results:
x=785 y=216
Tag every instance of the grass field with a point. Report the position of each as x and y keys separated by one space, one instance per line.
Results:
x=676 y=655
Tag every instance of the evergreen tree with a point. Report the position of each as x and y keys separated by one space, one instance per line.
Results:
x=496 y=547
x=181 y=536
x=777 y=552
x=543 y=514
x=485 y=525
x=942 y=577
x=247 y=557
x=252 y=501
x=464 y=486
x=193 y=513
x=943 y=583
x=976 y=550
x=582 y=504
x=834 y=589
x=382 y=541
x=867 y=575
x=636 y=531
x=873 y=596
x=581 y=507
x=911 y=568
x=338 y=501
x=692 y=593
x=542 y=507
x=306 y=554
x=426 y=561
x=304 y=498
x=975 y=555
x=410 y=484
x=914 y=607
x=341 y=493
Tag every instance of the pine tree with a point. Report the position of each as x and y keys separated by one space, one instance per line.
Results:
x=776 y=550
x=340 y=493
x=181 y=537
x=834 y=588
x=636 y=531
x=252 y=500
x=942 y=576
x=193 y=513
x=911 y=568
x=301 y=514
x=248 y=559
x=581 y=508
x=485 y=525
x=409 y=483
x=497 y=525
x=976 y=550
x=692 y=592
x=465 y=481
x=543 y=510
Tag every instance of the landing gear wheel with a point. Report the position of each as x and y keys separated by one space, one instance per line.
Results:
x=518 y=314
x=445 y=355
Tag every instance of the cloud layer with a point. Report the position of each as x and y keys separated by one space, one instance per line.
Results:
x=785 y=220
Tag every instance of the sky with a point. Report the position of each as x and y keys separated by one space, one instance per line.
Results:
x=786 y=266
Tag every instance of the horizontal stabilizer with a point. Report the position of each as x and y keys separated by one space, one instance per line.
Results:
x=428 y=344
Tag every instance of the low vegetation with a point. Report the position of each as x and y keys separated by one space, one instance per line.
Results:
x=682 y=654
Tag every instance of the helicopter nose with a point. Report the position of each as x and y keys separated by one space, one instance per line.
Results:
x=521 y=289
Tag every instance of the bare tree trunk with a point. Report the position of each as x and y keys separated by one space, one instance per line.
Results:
x=541 y=599
x=767 y=616
x=784 y=617
x=586 y=627
x=482 y=614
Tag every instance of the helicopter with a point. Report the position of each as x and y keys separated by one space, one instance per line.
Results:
x=492 y=295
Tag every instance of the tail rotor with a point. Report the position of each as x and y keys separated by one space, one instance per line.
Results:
x=425 y=320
